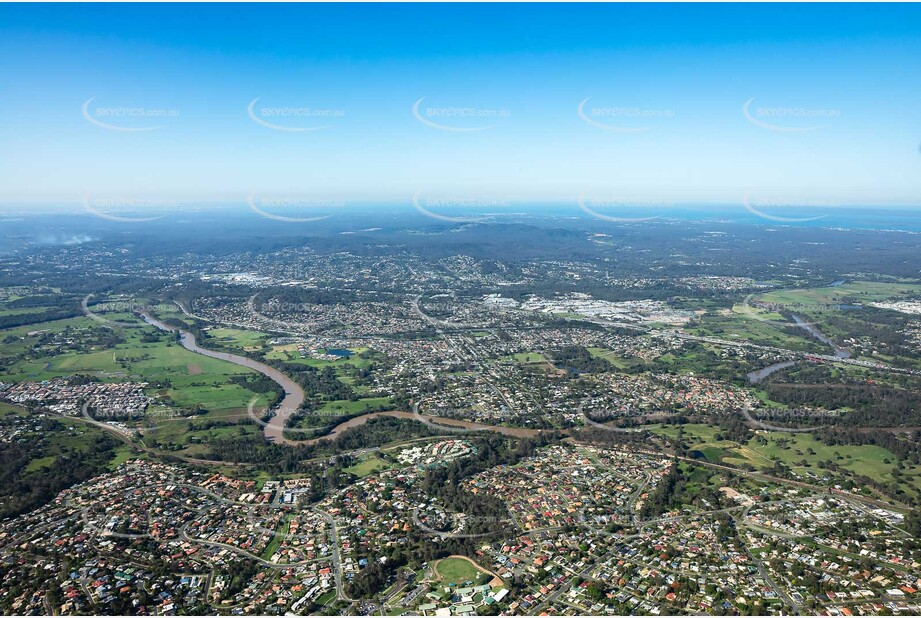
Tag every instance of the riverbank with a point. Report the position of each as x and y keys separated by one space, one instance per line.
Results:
x=435 y=422
x=274 y=429
x=294 y=397
x=815 y=332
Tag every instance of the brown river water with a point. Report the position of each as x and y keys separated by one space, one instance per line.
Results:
x=294 y=397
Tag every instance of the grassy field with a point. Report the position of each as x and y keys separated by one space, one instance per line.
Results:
x=699 y=438
x=327 y=413
x=42 y=462
x=455 y=570
x=821 y=306
x=699 y=478
x=14 y=341
x=188 y=435
x=7 y=409
x=71 y=440
x=171 y=311
x=742 y=325
x=529 y=357
x=275 y=543
x=22 y=311
x=123 y=454
x=615 y=359
x=367 y=466
x=851 y=291
x=180 y=379
x=193 y=378
x=801 y=452
x=8 y=295
x=344 y=406
x=246 y=340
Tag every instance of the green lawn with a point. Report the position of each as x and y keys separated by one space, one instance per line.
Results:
x=41 y=462
x=8 y=409
x=22 y=311
x=368 y=466
x=529 y=357
x=275 y=543
x=246 y=340
x=457 y=571
x=344 y=406
x=123 y=454
x=21 y=340
x=615 y=359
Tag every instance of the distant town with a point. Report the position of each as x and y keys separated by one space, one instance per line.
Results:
x=328 y=432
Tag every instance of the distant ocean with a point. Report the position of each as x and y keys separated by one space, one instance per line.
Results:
x=66 y=225
x=907 y=219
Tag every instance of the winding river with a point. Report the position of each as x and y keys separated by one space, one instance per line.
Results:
x=815 y=332
x=759 y=374
x=294 y=394
x=756 y=376
x=434 y=422
x=274 y=430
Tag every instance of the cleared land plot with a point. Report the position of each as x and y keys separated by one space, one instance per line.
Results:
x=345 y=406
x=621 y=362
x=341 y=407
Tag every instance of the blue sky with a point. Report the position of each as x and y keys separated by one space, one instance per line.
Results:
x=834 y=120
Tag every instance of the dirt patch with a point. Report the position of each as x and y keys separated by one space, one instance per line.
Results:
x=194 y=370
x=552 y=369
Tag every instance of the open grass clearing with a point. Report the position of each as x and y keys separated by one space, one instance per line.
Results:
x=458 y=570
x=367 y=466
x=799 y=451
